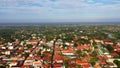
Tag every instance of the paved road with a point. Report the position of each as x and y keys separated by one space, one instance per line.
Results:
x=52 y=59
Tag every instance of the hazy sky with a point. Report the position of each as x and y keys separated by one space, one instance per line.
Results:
x=59 y=10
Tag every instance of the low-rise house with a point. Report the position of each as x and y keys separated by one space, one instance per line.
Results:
x=72 y=63
x=67 y=43
x=10 y=47
x=84 y=64
x=50 y=44
x=28 y=63
x=32 y=41
x=108 y=42
x=13 y=63
x=69 y=53
x=97 y=65
x=9 y=43
x=21 y=58
x=82 y=47
x=111 y=64
x=7 y=52
x=114 y=54
x=58 y=65
x=105 y=57
x=58 y=59
x=116 y=48
x=84 y=37
x=3 y=47
x=103 y=63
x=28 y=51
x=98 y=41
x=37 y=64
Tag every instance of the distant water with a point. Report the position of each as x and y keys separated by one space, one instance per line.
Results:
x=54 y=23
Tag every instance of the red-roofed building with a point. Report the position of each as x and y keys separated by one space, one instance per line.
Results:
x=107 y=41
x=37 y=64
x=30 y=49
x=100 y=58
x=116 y=48
x=114 y=54
x=72 y=63
x=84 y=64
x=28 y=63
x=56 y=65
x=105 y=57
x=32 y=41
x=47 y=65
x=79 y=47
x=25 y=66
x=103 y=63
x=67 y=52
x=58 y=59
x=30 y=58
x=18 y=51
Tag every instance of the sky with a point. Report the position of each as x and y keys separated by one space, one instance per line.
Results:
x=59 y=11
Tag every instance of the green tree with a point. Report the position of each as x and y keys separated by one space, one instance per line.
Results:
x=2 y=67
x=117 y=63
x=93 y=61
x=39 y=53
x=0 y=53
x=75 y=44
x=79 y=66
x=26 y=54
x=29 y=45
x=109 y=47
x=66 y=64
x=79 y=53
x=94 y=44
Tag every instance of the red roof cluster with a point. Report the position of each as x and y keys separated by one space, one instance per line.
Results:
x=83 y=63
x=34 y=40
x=79 y=47
x=114 y=54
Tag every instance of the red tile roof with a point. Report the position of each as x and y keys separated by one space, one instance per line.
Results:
x=57 y=57
x=31 y=49
x=57 y=65
x=83 y=47
x=114 y=54
x=107 y=40
x=25 y=66
x=105 y=57
x=83 y=63
x=38 y=63
x=34 y=40
x=28 y=63
x=30 y=58
x=103 y=63
x=100 y=57
x=18 y=51
x=47 y=65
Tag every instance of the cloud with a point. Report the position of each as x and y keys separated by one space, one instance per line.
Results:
x=90 y=1
x=59 y=9
x=56 y=4
x=112 y=0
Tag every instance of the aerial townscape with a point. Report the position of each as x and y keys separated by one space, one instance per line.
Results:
x=60 y=46
x=59 y=33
